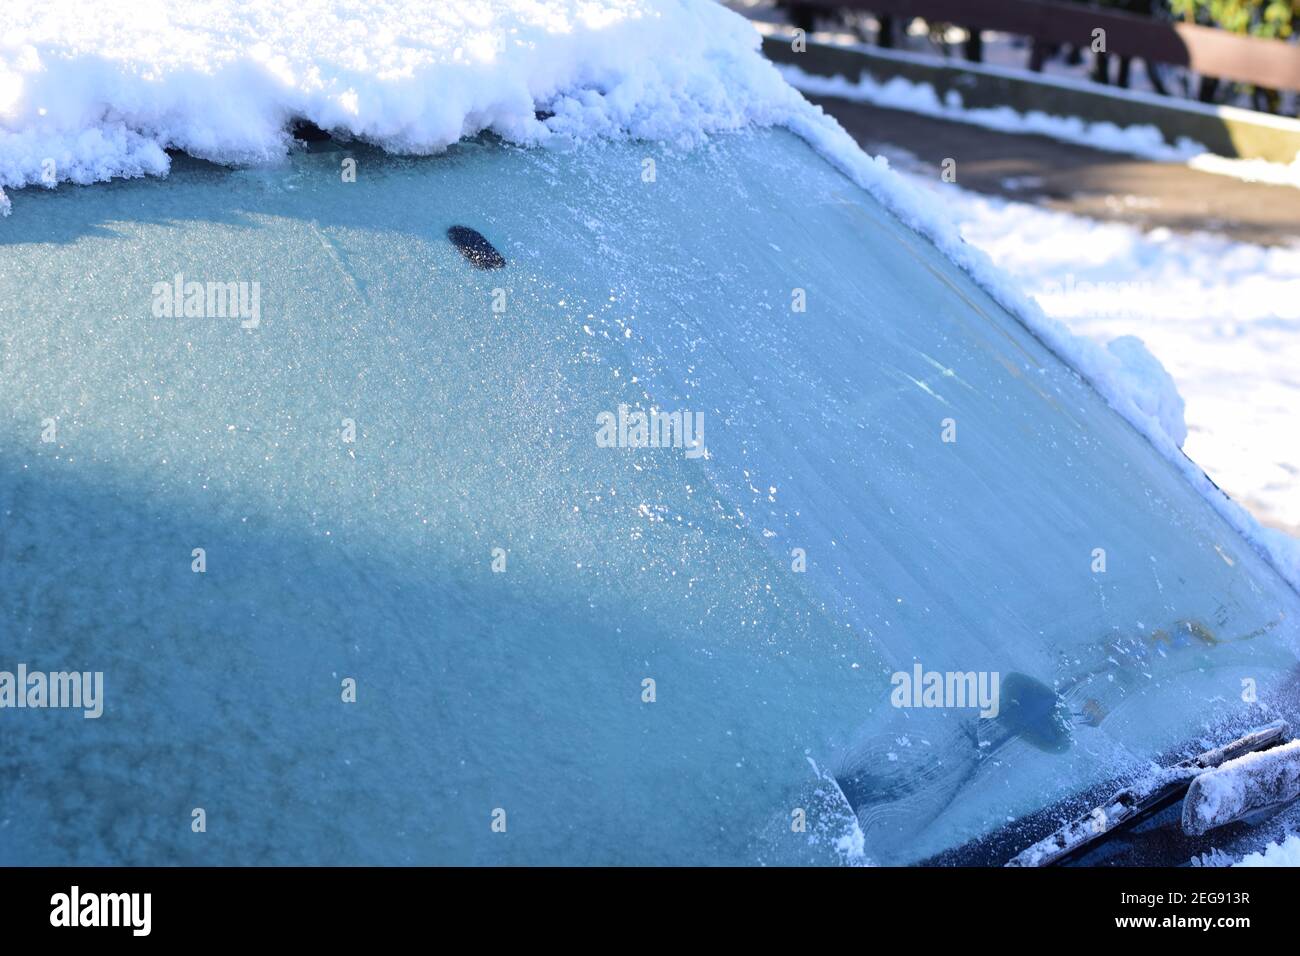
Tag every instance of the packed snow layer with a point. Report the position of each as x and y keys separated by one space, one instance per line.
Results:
x=89 y=93
x=92 y=92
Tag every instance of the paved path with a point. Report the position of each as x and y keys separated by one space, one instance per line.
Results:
x=1077 y=179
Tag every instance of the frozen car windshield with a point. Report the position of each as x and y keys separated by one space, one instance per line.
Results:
x=362 y=538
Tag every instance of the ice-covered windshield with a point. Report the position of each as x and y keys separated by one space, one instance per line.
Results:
x=586 y=506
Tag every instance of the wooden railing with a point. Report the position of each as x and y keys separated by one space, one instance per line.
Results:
x=1271 y=64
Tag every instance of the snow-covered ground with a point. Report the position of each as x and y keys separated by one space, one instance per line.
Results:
x=1144 y=141
x=1286 y=853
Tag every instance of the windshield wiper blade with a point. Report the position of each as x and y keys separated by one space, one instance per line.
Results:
x=1140 y=799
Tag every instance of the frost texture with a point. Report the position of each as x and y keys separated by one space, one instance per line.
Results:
x=88 y=93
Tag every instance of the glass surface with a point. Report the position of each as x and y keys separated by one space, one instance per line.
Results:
x=476 y=420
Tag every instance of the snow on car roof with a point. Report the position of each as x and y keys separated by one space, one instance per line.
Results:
x=105 y=94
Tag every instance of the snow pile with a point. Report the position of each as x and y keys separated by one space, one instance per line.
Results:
x=902 y=94
x=1152 y=388
x=1286 y=853
x=88 y=92
x=1251 y=170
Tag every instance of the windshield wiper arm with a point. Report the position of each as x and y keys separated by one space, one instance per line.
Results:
x=1140 y=799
